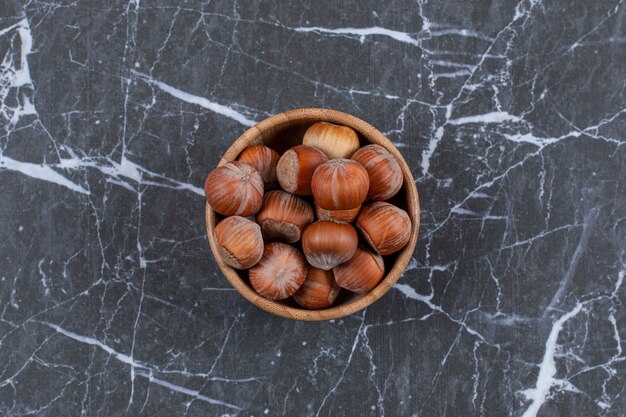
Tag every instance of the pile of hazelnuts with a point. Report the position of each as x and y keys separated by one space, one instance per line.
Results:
x=341 y=177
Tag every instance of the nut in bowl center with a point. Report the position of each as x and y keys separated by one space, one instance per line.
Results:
x=312 y=214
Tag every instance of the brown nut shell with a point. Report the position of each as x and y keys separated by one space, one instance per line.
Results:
x=385 y=227
x=296 y=167
x=234 y=189
x=318 y=291
x=284 y=216
x=279 y=273
x=346 y=216
x=334 y=140
x=264 y=160
x=362 y=272
x=239 y=240
x=327 y=244
x=384 y=171
x=340 y=184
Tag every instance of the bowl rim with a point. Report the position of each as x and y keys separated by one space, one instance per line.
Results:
x=268 y=127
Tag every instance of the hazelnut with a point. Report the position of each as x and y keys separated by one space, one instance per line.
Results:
x=295 y=168
x=279 y=273
x=234 y=189
x=284 y=216
x=340 y=184
x=264 y=160
x=319 y=289
x=334 y=140
x=239 y=240
x=385 y=227
x=383 y=170
x=326 y=243
x=346 y=216
x=362 y=272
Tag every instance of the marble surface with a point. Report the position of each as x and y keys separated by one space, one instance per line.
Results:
x=511 y=114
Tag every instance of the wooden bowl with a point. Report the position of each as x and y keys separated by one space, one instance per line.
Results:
x=281 y=132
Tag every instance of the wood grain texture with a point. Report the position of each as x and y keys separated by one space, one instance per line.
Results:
x=280 y=132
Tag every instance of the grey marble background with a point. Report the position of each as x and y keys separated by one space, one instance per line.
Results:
x=512 y=115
